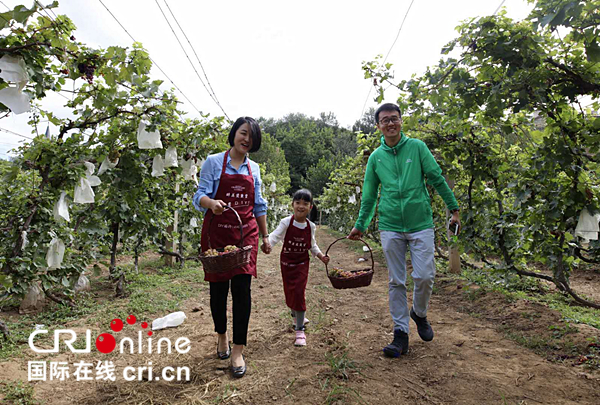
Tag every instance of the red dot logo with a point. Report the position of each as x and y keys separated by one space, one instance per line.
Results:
x=116 y=325
x=144 y=325
x=131 y=319
x=106 y=343
x=149 y=333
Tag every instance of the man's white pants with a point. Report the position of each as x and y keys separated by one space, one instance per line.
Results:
x=421 y=245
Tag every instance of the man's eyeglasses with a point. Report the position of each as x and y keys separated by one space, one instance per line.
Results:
x=387 y=120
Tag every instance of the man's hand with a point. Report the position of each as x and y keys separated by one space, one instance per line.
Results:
x=217 y=206
x=456 y=220
x=355 y=234
x=266 y=246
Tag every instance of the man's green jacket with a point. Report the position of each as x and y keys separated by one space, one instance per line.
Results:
x=401 y=171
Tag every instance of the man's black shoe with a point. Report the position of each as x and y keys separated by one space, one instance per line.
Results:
x=423 y=326
x=398 y=346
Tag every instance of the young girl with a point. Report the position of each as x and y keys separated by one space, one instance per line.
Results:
x=298 y=235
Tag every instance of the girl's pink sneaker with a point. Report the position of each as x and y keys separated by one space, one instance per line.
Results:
x=300 y=338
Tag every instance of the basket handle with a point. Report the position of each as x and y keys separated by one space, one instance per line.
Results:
x=337 y=240
x=227 y=207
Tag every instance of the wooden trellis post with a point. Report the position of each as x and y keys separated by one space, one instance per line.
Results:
x=453 y=253
x=172 y=245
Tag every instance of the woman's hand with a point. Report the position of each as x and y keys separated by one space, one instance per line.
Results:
x=217 y=206
x=324 y=259
x=266 y=246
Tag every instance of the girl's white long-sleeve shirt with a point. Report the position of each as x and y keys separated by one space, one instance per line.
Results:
x=278 y=234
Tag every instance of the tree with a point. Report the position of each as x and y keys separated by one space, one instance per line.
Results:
x=340 y=201
x=275 y=172
x=114 y=97
x=318 y=175
x=366 y=124
x=272 y=158
x=307 y=140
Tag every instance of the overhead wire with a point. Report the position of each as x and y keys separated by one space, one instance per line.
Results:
x=152 y=60
x=399 y=31
x=498 y=9
x=386 y=56
x=396 y=39
x=61 y=28
x=56 y=25
x=14 y=133
x=8 y=8
x=188 y=58
x=197 y=57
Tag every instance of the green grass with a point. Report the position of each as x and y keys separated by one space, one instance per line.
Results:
x=341 y=366
x=17 y=393
x=228 y=392
x=288 y=387
x=516 y=288
x=320 y=320
x=155 y=290
x=545 y=346
x=341 y=394
x=592 y=360
x=539 y=344
x=570 y=313
x=55 y=316
x=555 y=344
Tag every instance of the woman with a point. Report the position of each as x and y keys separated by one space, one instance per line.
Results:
x=231 y=178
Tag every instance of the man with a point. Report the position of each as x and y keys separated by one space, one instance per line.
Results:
x=401 y=165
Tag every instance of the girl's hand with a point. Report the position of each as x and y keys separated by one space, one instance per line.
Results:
x=325 y=259
x=218 y=206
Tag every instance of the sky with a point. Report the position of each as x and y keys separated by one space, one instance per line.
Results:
x=269 y=58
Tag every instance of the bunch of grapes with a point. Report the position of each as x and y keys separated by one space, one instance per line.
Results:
x=340 y=273
x=215 y=252
x=87 y=71
x=211 y=252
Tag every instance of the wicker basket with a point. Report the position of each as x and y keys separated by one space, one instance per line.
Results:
x=361 y=280
x=227 y=261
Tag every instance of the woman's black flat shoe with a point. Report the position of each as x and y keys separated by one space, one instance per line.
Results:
x=224 y=355
x=238 y=372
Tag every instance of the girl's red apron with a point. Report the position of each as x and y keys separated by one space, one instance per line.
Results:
x=294 y=265
x=237 y=190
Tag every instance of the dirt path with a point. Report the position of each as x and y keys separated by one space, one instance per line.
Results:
x=469 y=361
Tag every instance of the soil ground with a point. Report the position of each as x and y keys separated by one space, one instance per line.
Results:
x=472 y=360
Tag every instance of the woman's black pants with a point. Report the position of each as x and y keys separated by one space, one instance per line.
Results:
x=240 y=294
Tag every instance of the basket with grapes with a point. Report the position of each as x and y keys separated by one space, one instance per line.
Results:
x=219 y=260
x=341 y=278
